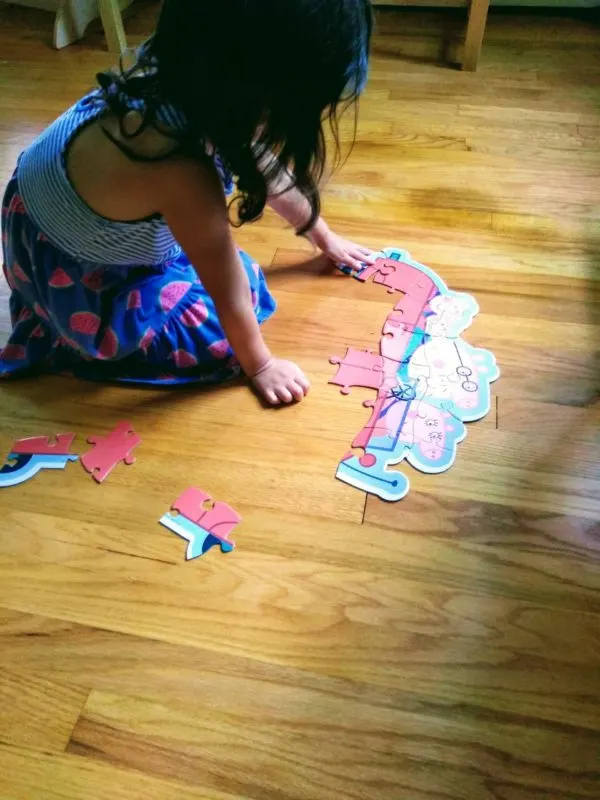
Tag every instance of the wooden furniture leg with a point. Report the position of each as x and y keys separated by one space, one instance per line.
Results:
x=478 y=12
x=112 y=20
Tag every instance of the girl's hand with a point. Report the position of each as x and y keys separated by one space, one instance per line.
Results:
x=339 y=250
x=280 y=381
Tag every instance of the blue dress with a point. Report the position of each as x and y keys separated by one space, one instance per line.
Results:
x=101 y=299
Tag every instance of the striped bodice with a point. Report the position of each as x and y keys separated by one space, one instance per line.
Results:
x=64 y=217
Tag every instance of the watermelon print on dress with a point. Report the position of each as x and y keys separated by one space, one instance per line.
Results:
x=85 y=323
x=152 y=325
x=134 y=300
x=60 y=280
x=172 y=293
x=195 y=316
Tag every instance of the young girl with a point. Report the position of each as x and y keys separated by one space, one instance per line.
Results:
x=116 y=230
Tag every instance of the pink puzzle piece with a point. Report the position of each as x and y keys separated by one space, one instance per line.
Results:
x=398 y=276
x=109 y=450
x=191 y=504
x=220 y=520
x=42 y=446
x=358 y=368
x=416 y=300
x=375 y=427
x=380 y=267
x=396 y=336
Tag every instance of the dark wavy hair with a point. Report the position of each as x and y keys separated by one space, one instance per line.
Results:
x=251 y=77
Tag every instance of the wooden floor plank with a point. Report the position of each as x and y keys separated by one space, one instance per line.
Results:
x=534 y=575
x=331 y=747
x=564 y=693
x=37 y=713
x=44 y=776
x=344 y=621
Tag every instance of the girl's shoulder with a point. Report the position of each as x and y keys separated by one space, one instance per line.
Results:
x=127 y=91
x=137 y=90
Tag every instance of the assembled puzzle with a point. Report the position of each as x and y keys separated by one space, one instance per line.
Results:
x=429 y=381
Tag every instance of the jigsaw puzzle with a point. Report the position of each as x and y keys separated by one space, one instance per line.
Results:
x=109 y=450
x=203 y=525
x=429 y=381
x=30 y=456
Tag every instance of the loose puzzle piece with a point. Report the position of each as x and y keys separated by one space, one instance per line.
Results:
x=109 y=450
x=433 y=381
x=358 y=368
x=30 y=456
x=202 y=527
x=43 y=445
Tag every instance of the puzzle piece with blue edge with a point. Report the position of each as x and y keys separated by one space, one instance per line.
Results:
x=203 y=527
x=370 y=474
x=28 y=457
x=386 y=439
x=200 y=541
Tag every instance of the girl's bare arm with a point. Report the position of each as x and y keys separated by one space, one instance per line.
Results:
x=294 y=208
x=190 y=197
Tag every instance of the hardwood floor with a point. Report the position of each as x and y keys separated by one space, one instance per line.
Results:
x=443 y=647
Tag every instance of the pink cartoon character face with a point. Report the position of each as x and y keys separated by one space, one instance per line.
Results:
x=432 y=434
x=430 y=431
x=452 y=314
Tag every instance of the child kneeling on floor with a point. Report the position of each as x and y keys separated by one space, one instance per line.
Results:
x=116 y=230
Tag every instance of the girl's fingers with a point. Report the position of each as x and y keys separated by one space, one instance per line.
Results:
x=359 y=248
x=367 y=255
x=362 y=253
x=296 y=390
x=354 y=263
x=337 y=257
x=284 y=394
x=271 y=397
x=303 y=381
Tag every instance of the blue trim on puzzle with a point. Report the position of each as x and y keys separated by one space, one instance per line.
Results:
x=200 y=541
x=376 y=480
x=28 y=466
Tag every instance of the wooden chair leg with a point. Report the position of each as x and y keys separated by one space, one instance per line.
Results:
x=112 y=20
x=478 y=12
